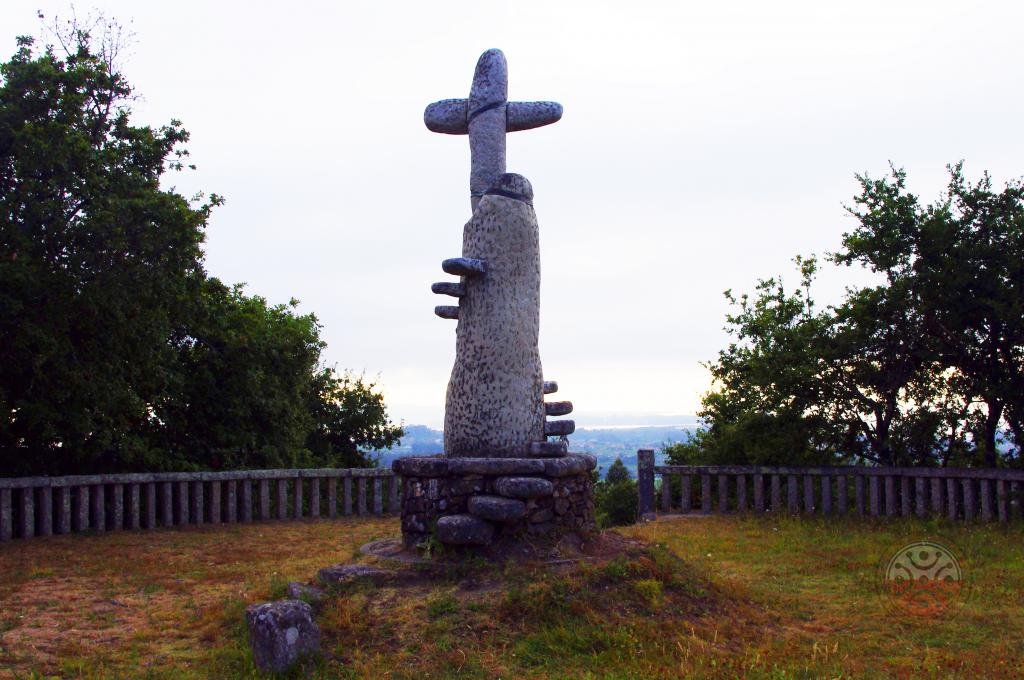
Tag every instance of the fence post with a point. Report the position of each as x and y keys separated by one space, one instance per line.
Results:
x=378 y=496
x=686 y=500
x=723 y=494
x=44 y=516
x=843 y=494
x=117 y=507
x=282 y=498
x=951 y=498
x=314 y=497
x=791 y=494
x=297 y=505
x=645 y=480
x=63 y=510
x=134 y=506
x=890 y=496
x=666 y=493
x=231 y=501
x=332 y=497
x=741 y=493
x=826 y=494
x=758 y=493
x=394 y=500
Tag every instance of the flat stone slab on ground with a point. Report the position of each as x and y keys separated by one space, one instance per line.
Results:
x=523 y=487
x=464 y=530
x=281 y=633
x=346 y=573
x=305 y=592
x=496 y=508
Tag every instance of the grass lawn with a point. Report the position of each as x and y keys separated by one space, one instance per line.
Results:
x=709 y=597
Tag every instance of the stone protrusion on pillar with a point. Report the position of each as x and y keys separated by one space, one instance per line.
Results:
x=559 y=428
x=464 y=266
x=547 y=449
x=447 y=312
x=448 y=288
x=557 y=408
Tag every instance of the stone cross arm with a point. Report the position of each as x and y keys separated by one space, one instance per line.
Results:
x=485 y=116
x=451 y=116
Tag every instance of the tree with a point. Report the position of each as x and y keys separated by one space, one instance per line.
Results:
x=617 y=473
x=96 y=261
x=616 y=498
x=962 y=258
x=117 y=351
x=924 y=369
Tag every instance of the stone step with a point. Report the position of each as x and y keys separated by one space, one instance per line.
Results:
x=496 y=508
x=447 y=311
x=550 y=387
x=464 y=530
x=523 y=487
x=553 y=449
x=448 y=288
x=346 y=573
x=464 y=266
x=557 y=408
x=559 y=428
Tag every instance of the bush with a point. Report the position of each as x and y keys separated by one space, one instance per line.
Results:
x=616 y=497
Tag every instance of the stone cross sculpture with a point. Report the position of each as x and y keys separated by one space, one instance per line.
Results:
x=486 y=116
x=495 y=403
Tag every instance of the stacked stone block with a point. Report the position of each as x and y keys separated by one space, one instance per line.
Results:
x=476 y=501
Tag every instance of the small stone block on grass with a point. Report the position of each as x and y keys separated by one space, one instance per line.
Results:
x=281 y=633
x=346 y=573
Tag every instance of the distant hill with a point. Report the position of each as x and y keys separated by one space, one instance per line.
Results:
x=605 y=443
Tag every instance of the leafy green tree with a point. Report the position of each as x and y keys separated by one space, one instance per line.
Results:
x=117 y=352
x=963 y=259
x=96 y=263
x=924 y=369
x=617 y=473
x=349 y=417
x=616 y=498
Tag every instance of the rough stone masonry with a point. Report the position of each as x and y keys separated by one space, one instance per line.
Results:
x=506 y=470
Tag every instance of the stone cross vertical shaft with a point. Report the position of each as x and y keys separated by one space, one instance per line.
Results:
x=486 y=116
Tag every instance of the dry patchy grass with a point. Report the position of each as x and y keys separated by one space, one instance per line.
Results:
x=707 y=597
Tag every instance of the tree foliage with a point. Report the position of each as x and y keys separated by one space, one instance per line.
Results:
x=117 y=351
x=616 y=498
x=924 y=368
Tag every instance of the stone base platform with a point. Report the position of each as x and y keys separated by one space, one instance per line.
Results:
x=478 y=501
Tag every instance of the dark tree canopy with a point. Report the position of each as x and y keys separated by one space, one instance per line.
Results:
x=117 y=351
x=926 y=368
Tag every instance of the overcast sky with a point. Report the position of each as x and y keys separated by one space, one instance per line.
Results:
x=703 y=145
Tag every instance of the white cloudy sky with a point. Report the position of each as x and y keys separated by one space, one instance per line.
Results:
x=703 y=145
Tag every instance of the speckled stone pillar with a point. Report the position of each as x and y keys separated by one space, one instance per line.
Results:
x=495 y=400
